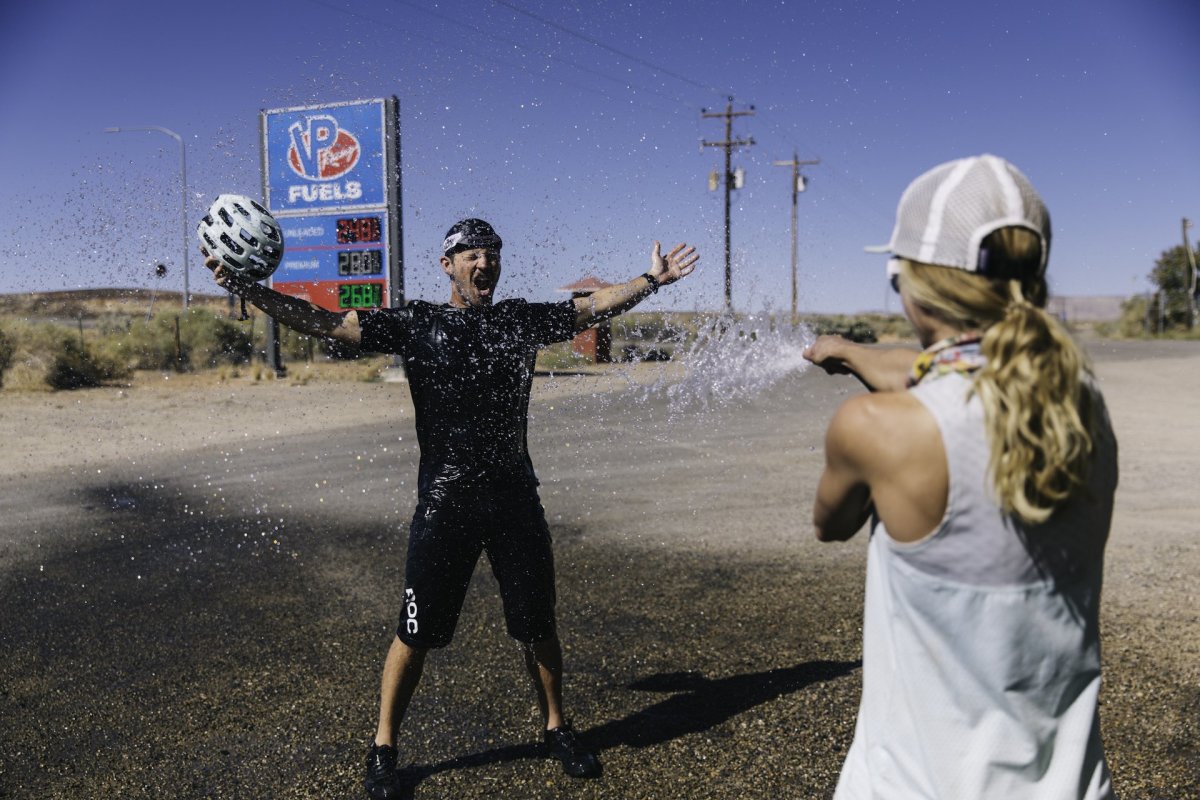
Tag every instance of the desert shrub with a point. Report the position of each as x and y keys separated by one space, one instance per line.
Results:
x=114 y=324
x=854 y=329
x=296 y=346
x=7 y=348
x=559 y=356
x=30 y=357
x=862 y=327
x=75 y=366
x=148 y=344
x=211 y=339
x=1133 y=317
x=205 y=340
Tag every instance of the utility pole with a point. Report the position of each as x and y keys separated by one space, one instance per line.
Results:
x=1191 y=257
x=798 y=185
x=728 y=145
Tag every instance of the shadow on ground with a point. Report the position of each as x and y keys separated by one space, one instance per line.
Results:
x=696 y=704
x=166 y=640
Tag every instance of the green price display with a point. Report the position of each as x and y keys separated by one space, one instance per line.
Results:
x=360 y=295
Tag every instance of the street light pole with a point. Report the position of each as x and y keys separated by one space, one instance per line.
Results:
x=183 y=193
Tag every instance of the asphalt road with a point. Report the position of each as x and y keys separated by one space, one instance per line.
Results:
x=211 y=623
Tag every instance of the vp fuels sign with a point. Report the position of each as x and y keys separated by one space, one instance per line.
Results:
x=326 y=158
x=331 y=177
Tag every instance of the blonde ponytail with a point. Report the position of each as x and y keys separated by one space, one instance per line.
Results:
x=1036 y=402
x=1035 y=386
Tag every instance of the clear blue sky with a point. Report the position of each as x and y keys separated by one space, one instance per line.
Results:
x=580 y=156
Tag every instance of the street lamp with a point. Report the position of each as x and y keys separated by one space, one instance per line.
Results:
x=183 y=191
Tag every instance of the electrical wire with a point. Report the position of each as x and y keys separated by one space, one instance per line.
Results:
x=597 y=43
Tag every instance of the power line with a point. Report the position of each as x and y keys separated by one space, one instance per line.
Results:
x=624 y=83
x=597 y=43
x=492 y=57
x=857 y=205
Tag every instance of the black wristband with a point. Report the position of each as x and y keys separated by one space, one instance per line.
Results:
x=653 y=281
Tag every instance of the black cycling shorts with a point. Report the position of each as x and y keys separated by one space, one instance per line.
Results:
x=451 y=526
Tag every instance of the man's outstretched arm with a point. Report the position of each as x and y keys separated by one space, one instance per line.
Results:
x=297 y=314
x=613 y=300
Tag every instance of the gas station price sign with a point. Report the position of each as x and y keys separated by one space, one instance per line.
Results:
x=338 y=261
x=360 y=295
x=351 y=230
x=360 y=262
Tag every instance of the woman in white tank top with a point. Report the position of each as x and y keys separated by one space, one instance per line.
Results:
x=987 y=467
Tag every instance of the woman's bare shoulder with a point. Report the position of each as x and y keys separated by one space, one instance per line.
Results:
x=882 y=427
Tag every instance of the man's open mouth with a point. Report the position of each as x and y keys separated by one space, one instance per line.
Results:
x=484 y=283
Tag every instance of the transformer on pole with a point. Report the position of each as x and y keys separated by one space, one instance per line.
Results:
x=731 y=181
x=798 y=185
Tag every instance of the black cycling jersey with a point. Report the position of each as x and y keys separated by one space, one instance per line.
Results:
x=470 y=371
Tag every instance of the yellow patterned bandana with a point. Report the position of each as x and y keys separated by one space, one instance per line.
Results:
x=960 y=353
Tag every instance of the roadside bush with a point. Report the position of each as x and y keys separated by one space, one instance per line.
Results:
x=1133 y=317
x=204 y=340
x=312 y=349
x=7 y=348
x=74 y=366
x=856 y=330
x=863 y=327
x=114 y=324
x=559 y=356
x=211 y=339
x=146 y=345
x=296 y=346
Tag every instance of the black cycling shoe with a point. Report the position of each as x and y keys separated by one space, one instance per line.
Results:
x=577 y=761
x=382 y=781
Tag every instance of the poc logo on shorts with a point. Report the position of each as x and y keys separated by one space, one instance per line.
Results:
x=410 y=610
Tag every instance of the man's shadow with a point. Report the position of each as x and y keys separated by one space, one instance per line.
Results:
x=696 y=704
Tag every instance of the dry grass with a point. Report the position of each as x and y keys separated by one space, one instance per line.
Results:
x=113 y=327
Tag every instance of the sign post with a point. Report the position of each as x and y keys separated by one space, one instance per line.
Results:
x=331 y=176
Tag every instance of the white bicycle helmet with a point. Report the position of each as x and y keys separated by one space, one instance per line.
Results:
x=243 y=235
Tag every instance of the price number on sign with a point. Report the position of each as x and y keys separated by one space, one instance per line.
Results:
x=360 y=295
x=352 y=230
x=360 y=262
x=359 y=229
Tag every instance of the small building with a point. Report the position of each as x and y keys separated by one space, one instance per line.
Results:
x=595 y=343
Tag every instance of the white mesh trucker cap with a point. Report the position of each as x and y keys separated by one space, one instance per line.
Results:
x=945 y=214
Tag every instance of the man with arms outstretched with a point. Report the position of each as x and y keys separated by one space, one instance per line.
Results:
x=470 y=369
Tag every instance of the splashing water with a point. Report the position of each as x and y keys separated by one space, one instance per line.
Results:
x=732 y=360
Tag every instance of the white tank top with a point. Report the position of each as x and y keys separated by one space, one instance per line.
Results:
x=981 y=646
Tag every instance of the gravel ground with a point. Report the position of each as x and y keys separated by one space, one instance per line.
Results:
x=200 y=582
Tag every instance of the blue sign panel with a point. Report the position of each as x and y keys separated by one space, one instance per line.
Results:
x=338 y=261
x=329 y=157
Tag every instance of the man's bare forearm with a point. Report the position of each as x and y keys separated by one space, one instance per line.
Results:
x=613 y=300
x=610 y=301
x=299 y=315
